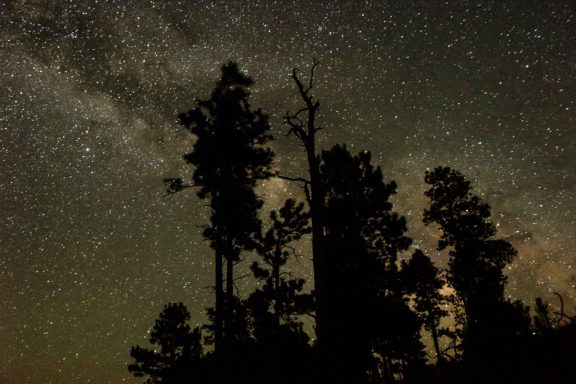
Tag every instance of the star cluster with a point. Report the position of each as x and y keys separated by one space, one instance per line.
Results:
x=91 y=248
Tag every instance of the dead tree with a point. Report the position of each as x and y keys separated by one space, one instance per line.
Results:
x=302 y=124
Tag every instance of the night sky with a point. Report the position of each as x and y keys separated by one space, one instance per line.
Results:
x=90 y=247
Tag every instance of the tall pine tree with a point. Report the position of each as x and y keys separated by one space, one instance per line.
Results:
x=476 y=258
x=365 y=302
x=230 y=155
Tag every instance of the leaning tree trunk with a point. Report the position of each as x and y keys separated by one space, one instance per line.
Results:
x=434 y=331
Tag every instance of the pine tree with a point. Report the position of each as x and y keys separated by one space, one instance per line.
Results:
x=423 y=280
x=476 y=259
x=178 y=350
x=229 y=156
x=365 y=305
x=279 y=301
x=280 y=292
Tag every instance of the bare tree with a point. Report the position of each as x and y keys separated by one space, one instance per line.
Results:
x=302 y=124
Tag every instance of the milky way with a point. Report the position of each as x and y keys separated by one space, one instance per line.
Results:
x=91 y=248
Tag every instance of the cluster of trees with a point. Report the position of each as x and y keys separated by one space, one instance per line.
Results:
x=369 y=309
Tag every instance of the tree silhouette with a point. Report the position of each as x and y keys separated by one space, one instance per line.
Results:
x=542 y=320
x=476 y=262
x=279 y=300
x=280 y=292
x=365 y=303
x=396 y=340
x=423 y=280
x=302 y=124
x=230 y=156
x=369 y=308
x=343 y=355
x=178 y=352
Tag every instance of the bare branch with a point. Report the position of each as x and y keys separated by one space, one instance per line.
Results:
x=242 y=277
x=561 y=306
x=561 y=315
x=315 y=63
x=296 y=125
x=297 y=113
x=293 y=250
x=300 y=179
x=304 y=93
x=298 y=82
x=236 y=288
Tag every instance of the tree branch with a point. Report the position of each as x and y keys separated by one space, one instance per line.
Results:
x=315 y=63
x=242 y=277
x=175 y=185
x=300 y=179
x=296 y=125
x=561 y=315
x=304 y=92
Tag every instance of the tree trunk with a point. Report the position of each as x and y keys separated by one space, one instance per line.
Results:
x=306 y=132
x=229 y=304
x=218 y=312
x=276 y=285
x=318 y=259
x=439 y=357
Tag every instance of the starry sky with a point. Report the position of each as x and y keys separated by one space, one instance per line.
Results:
x=90 y=247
